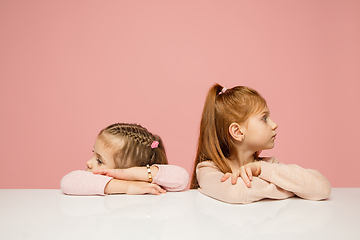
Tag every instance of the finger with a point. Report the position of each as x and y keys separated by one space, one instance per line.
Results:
x=111 y=173
x=234 y=177
x=153 y=190
x=158 y=188
x=244 y=176
x=101 y=171
x=105 y=172
x=225 y=177
x=161 y=190
x=249 y=172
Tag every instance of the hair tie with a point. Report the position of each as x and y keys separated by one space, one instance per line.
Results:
x=223 y=90
x=154 y=144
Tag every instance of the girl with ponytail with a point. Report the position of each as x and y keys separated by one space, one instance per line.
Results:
x=235 y=127
x=127 y=159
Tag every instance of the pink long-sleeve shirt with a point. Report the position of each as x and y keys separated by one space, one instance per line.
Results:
x=276 y=181
x=80 y=182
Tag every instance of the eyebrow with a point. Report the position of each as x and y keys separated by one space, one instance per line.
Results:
x=265 y=112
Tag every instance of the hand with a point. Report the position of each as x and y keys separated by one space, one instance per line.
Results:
x=246 y=172
x=121 y=174
x=144 y=188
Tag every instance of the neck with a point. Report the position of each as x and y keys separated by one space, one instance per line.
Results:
x=242 y=158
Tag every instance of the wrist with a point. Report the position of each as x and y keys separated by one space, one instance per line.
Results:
x=127 y=174
x=154 y=171
x=116 y=186
x=140 y=173
x=149 y=173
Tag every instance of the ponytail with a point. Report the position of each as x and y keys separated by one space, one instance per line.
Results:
x=158 y=153
x=209 y=147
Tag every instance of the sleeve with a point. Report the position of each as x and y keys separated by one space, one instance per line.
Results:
x=305 y=183
x=81 y=182
x=209 y=179
x=172 y=178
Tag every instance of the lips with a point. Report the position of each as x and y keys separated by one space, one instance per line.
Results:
x=274 y=136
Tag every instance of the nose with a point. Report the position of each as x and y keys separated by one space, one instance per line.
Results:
x=88 y=164
x=275 y=126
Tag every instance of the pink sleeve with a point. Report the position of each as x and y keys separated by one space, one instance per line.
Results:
x=81 y=182
x=209 y=179
x=171 y=178
x=305 y=183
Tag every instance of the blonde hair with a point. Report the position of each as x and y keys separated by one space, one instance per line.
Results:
x=222 y=108
x=134 y=148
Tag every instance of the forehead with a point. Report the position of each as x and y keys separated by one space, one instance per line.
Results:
x=110 y=141
x=262 y=111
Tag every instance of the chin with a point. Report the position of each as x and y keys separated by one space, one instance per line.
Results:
x=270 y=147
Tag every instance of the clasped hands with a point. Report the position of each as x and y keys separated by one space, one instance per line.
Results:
x=246 y=172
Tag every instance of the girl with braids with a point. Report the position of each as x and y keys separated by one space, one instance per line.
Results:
x=127 y=159
x=235 y=127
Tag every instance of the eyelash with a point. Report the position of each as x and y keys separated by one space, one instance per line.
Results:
x=264 y=118
x=98 y=160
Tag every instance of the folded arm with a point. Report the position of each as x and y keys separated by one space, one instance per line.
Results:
x=209 y=178
x=305 y=183
x=86 y=183
x=276 y=181
x=169 y=177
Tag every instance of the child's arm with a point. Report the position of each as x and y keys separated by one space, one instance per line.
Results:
x=209 y=179
x=86 y=183
x=305 y=183
x=81 y=182
x=275 y=181
x=116 y=186
x=170 y=177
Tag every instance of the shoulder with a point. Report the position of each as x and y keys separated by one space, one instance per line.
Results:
x=268 y=159
x=207 y=167
x=205 y=164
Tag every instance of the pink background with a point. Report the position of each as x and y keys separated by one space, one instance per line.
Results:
x=70 y=68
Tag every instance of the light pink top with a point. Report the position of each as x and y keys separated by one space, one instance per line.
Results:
x=80 y=182
x=276 y=181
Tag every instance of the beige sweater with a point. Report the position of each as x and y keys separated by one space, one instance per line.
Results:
x=276 y=181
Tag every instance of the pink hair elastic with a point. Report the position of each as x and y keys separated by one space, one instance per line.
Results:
x=154 y=144
x=223 y=90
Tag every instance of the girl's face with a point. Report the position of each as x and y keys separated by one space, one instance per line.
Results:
x=102 y=158
x=260 y=132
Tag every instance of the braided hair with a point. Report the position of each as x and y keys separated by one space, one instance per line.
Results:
x=132 y=145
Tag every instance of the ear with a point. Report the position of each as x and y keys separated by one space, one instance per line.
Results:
x=236 y=132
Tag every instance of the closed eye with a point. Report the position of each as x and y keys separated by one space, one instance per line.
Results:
x=98 y=158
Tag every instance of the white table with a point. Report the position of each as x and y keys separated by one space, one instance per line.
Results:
x=48 y=214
